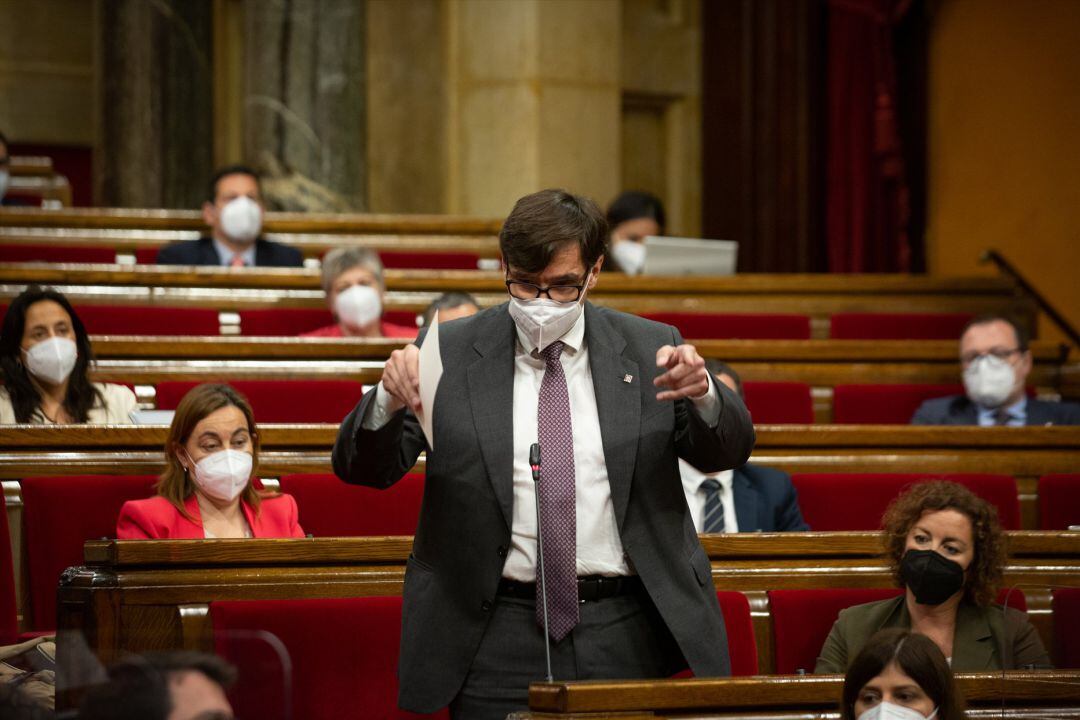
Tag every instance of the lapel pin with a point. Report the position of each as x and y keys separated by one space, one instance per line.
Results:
x=627 y=378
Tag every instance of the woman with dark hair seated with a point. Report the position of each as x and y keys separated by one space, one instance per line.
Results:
x=45 y=354
x=900 y=675
x=208 y=488
x=947 y=551
x=632 y=217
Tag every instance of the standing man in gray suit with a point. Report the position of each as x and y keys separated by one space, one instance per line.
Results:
x=613 y=401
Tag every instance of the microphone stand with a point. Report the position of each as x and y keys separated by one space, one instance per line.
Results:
x=534 y=464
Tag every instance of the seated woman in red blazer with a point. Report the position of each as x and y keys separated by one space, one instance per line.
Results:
x=207 y=489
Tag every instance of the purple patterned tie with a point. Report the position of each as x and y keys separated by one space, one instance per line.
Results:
x=558 y=512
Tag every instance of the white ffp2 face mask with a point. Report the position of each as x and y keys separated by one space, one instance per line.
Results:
x=359 y=306
x=629 y=255
x=892 y=711
x=544 y=321
x=223 y=475
x=52 y=360
x=241 y=219
x=989 y=381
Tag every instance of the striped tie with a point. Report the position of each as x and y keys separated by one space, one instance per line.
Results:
x=714 y=506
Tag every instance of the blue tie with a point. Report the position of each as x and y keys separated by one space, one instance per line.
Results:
x=714 y=506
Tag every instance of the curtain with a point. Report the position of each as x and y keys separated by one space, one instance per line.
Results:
x=867 y=204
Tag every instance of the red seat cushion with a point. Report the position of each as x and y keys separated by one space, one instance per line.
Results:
x=148 y=320
x=856 y=501
x=897 y=326
x=9 y=620
x=283 y=322
x=802 y=620
x=779 y=402
x=1059 y=502
x=281 y=401
x=884 y=404
x=429 y=260
x=59 y=515
x=332 y=508
x=338 y=657
x=1066 y=607
x=742 y=648
x=56 y=254
x=729 y=325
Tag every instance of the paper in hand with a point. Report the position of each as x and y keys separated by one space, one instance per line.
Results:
x=430 y=373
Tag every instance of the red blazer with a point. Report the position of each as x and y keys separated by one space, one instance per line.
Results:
x=157 y=519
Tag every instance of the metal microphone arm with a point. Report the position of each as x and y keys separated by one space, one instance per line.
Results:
x=534 y=464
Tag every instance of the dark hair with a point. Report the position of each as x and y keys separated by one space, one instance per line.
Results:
x=138 y=686
x=719 y=367
x=25 y=398
x=1023 y=338
x=545 y=222
x=634 y=204
x=447 y=301
x=918 y=657
x=211 y=189
x=984 y=574
x=17 y=704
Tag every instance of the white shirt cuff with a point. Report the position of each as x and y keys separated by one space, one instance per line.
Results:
x=383 y=408
x=708 y=405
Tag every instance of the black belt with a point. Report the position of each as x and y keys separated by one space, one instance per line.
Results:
x=590 y=588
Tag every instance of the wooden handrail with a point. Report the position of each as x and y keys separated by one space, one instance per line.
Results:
x=1056 y=317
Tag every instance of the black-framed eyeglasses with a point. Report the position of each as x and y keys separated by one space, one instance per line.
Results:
x=999 y=353
x=530 y=291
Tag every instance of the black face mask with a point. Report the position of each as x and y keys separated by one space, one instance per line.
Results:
x=931 y=577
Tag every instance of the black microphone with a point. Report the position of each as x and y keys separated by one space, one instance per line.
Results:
x=534 y=464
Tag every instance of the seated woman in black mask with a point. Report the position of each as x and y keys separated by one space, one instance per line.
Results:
x=947 y=551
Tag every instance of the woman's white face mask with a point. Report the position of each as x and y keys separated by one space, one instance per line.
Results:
x=892 y=711
x=629 y=255
x=989 y=381
x=223 y=475
x=51 y=361
x=359 y=306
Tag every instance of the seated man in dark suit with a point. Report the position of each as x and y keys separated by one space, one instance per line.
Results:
x=750 y=498
x=996 y=361
x=234 y=212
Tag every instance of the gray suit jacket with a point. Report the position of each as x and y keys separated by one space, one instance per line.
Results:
x=463 y=535
x=959 y=410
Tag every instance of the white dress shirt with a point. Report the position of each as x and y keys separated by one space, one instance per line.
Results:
x=696 y=495
x=599 y=549
x=226 y=255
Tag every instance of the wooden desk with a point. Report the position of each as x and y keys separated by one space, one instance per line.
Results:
x=1009 y=695
x=141 y=595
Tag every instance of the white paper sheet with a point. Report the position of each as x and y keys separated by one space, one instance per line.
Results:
x=430 y=373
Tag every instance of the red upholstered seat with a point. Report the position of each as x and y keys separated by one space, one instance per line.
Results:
x=1059 y=502
x=742 y=648
x=9 y=620
x=856 y=501
x=728 y=325
x=148 y=320
x=146 y=256
x=281 y=401
x=884 y=404
x=342 y=657
x=283 y=322
x=332 y=508
x=56 y=254
x=802 y=620
x=59 y=515
x=897 y=326
x=429 y=260
x=779 y=402
x=1066 y=607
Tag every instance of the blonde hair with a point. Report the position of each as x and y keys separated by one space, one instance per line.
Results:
x=175 y=484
